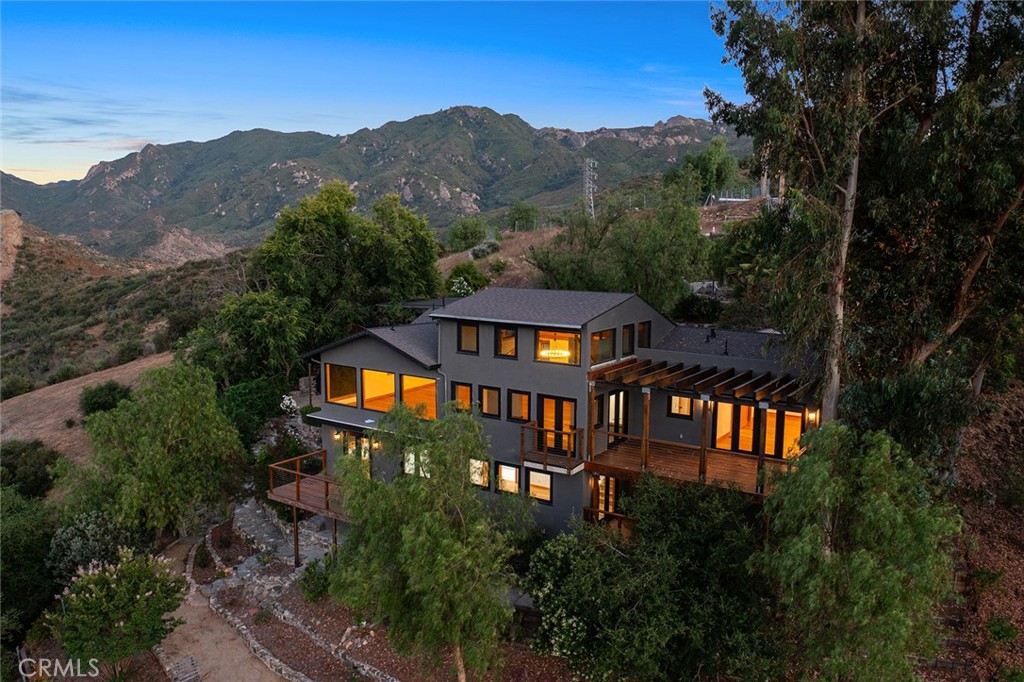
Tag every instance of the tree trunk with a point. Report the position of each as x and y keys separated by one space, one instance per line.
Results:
x=836 y=299
x=460 y=665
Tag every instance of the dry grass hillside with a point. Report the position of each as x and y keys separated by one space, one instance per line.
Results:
x=511 y=266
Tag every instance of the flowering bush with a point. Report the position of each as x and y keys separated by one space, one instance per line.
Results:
x=289 y=406
x=88 y=537
x=112 y=611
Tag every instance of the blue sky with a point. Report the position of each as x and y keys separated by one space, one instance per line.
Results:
x=84 y=82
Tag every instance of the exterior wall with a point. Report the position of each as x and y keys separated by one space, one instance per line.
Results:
x=632 y=311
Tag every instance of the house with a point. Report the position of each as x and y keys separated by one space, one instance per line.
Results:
x=579 y=392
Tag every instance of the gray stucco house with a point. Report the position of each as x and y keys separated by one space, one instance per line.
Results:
x=579 y=392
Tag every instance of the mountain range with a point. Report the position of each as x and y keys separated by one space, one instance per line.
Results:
x=197 y=199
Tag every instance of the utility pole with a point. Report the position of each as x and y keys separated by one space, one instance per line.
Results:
x=589 y=183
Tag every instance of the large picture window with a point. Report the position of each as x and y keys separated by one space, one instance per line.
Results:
x=782 y=433
x=469 y=338
x=378 y=390
x=341 y=385
x=602 y=346
x=734 y=427
x=560 y=347
x=418 y=391
x=505 y=342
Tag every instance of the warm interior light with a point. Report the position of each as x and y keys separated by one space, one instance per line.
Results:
x=337 y=434
x=554 y=353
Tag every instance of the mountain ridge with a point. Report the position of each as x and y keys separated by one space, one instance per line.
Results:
x=227 y=192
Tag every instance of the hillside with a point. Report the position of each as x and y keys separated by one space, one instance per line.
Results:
x=68 y=310
x=226 y=193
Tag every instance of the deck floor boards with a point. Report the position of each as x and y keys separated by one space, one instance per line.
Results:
x=314 y=494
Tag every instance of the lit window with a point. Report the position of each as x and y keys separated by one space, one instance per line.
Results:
x=627 y=339
x=738 y=418
x=540 y=485
x=723 y=426
x=478 y=472
x=416 y=463
x=418 y=391
x=561 y=347
x=341 y=385
x=469 y=338
x=602 y=346
x=518 y=406
x=508 y=478
x=643 y=334
x=462 y=394
x=505 y=342
x=678 y=406
x=784 y=441
x=378 y=390
x=490 y=401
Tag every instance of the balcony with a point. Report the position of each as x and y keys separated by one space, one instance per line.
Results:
x=625 y=457
x=303 y=482
x=551 y=448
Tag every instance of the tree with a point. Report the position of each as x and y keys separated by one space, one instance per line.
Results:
x=899 y=123
x=857 y=552
x=466 y=232
x=422 y=551
x=161 y=457
x=112 y=611
x=522 y=217
x=345 y=264
x=471 y=279
x=670 y=601
x=714 y=168
x=26 y=467
x=25 y=534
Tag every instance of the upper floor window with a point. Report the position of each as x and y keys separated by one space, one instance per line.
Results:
x=418 y=391
x=478 y=472
x=469 y=337
x=505 y=339
x=602 y=346
x=490 y=401
x=378 y=390
x=341 y=385
x=462 y=394
x=628 y=332
x=518 y=406
x=561 y=347
x=643 y=334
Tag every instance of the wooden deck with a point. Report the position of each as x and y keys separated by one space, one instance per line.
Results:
x=679 y=462
x=317 y=492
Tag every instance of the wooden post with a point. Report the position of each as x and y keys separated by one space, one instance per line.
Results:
x=645 y=444
x=702 y=468
x=309 y=377
x=295 y=534
x=334 y=532
x=323 y=472
x=522 y=443
x=298 y=481
x=759 y=434
x=590 y=421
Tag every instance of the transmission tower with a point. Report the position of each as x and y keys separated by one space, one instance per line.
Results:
x=589 y=183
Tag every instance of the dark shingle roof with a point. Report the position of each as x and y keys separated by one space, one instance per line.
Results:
x=418 y=341
x=736 y=343
x=546 y=307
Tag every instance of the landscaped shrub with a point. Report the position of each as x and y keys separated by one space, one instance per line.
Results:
x=88 y=537
x=465 y=279
x=316 y=578
x=485 y=249
x=249 y=405
x=102 y=397
x=25 y=466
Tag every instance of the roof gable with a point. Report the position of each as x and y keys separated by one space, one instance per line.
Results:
x=541 y=307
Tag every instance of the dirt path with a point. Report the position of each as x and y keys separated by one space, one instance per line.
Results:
x=221 y=653
x=42 y=413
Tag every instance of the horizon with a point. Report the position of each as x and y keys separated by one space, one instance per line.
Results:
x=289 y=67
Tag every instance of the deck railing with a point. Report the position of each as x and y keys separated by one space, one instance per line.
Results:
x=551 y=447
x=303 y=482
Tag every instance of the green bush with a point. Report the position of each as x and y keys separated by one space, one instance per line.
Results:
x=498 y=267
x=102 y=397
x=26 y=466
x=15 y=384
x=466 y=232
x=88 y=537
x=469 y=275
x=65 y=373
x=203 y=558
x=697 y=308
x=316 y=579
x=128 y=351
x=25 y=535
x=248 y=406
x=485 y=249
x=1000 y=630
